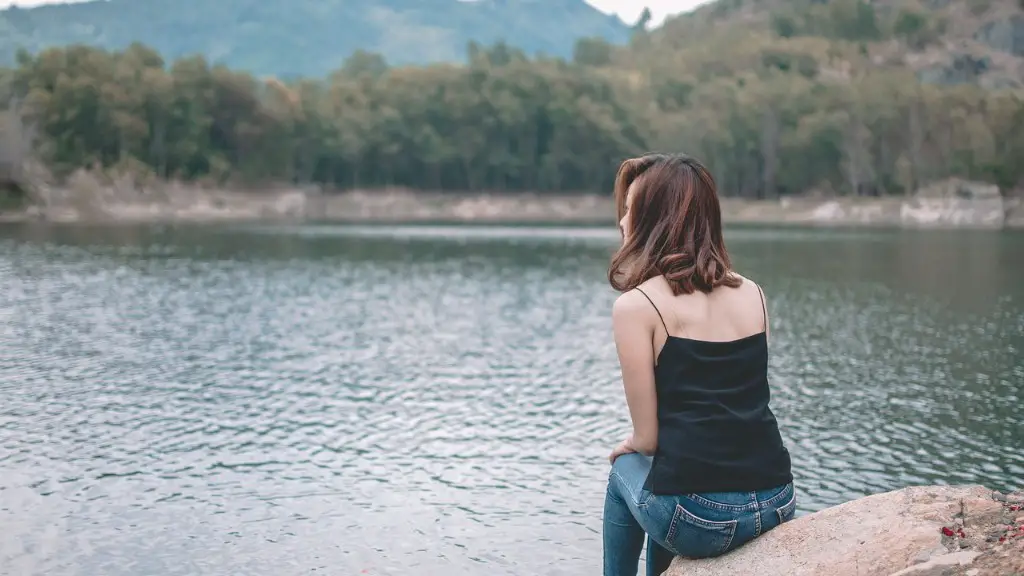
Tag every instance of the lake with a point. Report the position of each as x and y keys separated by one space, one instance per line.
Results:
x=441 y=400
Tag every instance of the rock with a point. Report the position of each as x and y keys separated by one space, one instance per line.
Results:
x=956 y=188
x=1005 y=35
x=897 y=532
x=956 y=559
x=955 y=202
x=1015 y=218
x=926 y=555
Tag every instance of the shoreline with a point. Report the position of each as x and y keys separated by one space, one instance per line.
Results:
x=174 y=203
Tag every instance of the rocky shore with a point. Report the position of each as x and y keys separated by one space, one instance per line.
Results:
x=86 y=198
x=916 y=531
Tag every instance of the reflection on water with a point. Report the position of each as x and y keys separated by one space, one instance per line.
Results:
x=274 y=400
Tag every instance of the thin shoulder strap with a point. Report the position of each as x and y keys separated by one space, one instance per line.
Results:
x=764 y=307
x=662 y=318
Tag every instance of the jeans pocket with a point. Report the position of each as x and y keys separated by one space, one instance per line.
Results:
x=787 y=510
x=691 y=536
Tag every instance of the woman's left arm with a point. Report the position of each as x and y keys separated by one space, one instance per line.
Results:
x=633 y=324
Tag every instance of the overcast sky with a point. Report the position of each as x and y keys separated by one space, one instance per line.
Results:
x=629 y=10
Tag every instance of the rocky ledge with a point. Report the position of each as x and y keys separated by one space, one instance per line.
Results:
x=917 y=531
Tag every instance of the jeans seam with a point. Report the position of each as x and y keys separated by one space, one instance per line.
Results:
x=672 y=527
x=628 y=494
x=719 y=506
x=704 y=522
x=681 y=514
x=779 y=509
x=778 y=497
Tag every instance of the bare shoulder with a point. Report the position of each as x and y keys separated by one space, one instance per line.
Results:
x=748 y=283
x=628 y=305
x=743 y=278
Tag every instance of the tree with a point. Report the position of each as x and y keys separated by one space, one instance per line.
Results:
x=771 y=115
x=643 y=21
x=592 y=52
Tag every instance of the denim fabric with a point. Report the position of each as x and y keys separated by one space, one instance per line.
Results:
x=692 y=525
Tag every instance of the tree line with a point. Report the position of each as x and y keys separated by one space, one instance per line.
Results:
x=772 y=115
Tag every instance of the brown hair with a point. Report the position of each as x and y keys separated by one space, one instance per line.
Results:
x=675 y=226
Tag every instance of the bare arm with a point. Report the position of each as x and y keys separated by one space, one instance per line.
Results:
x=767 y=324
x=633 y=323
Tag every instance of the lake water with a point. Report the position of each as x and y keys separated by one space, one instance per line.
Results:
x=377 y=400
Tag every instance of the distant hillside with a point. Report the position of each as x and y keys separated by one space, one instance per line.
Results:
x=944 y=42
x=308 y=37
x=780 y=97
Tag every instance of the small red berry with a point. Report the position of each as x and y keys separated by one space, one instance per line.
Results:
x=947 y=532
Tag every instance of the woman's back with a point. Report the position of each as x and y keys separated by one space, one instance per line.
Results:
x=725 y=314
x=704 y=470
x=716 y=432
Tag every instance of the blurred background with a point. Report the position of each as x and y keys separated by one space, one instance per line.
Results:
x=320 y=285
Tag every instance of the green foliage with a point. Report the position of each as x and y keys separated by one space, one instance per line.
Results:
x=861 y=21
x=852 y=20
x=979 y=7
x=785 y=25
x=503 y=123
x=592 y=52
x=786 y=61
x=723 y=8
x=645 y=19
x=917 y=28
x=291 y=38
x=672 y=94
x=771 y=113
x=12 y=197
x=909 y=23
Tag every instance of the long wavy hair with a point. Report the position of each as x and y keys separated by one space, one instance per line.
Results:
x=674 y=226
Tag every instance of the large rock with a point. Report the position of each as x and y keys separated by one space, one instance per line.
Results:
x=919 y=531
x=1015 y=212
x=955 y=202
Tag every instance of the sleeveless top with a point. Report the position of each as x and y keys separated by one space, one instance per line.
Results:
x=715 y=430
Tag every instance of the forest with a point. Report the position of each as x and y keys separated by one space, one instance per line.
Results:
x=783 y=108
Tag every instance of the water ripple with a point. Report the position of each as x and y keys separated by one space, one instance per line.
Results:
x=283 y=400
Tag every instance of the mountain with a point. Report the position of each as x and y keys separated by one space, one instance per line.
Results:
x=780 y=97
x=308 y=37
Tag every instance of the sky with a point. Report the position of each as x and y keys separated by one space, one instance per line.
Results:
x=629 y=10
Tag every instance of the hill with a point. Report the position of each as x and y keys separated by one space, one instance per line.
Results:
x=779 y=97
x=942 y=41
x=290 y=38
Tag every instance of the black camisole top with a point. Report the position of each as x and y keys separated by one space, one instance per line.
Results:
x=716 y=432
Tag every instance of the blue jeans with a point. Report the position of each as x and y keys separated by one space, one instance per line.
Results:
x=690 y=525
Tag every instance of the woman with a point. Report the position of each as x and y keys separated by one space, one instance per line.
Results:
x=705 y=469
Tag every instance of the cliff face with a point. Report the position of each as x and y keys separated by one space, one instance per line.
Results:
x=919 y=531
